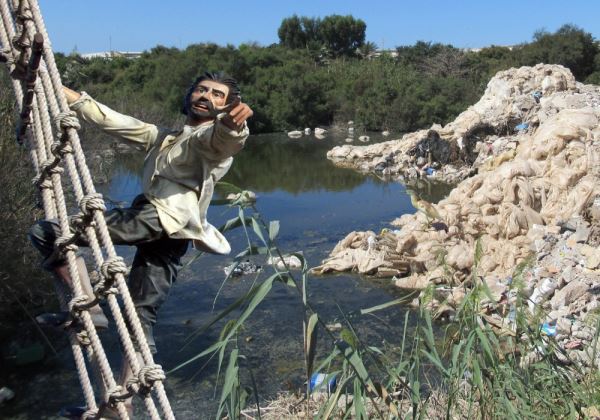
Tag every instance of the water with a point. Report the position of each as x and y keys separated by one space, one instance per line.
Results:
x=317 y=204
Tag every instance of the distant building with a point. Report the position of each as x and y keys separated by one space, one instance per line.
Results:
x=476 y=50
x=379 y=53
x=111 y=54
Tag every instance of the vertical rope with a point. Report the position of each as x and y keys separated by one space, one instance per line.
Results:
x=98 y=215
x=62 y=214
x=52 y=103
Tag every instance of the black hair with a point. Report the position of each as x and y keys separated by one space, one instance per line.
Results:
x=220 y=77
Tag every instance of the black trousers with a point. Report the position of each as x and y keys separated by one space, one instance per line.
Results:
x=156 y=262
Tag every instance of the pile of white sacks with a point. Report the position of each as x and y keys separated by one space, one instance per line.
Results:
x=533 y=183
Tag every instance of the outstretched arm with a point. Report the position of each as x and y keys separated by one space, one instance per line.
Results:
x=71 y=95
x=110 y=121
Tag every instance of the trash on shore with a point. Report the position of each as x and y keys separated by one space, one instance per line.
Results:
x=242 y=268
x=528 y=196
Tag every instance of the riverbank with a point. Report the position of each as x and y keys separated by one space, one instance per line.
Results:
x=527 y=156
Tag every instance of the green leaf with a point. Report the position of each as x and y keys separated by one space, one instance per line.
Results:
x=256 y=295
x=231 y=380
x=227 y=188
x=219 y=202
x=477 y=379
x=257 y=229
x=437 y=362
x=327 y=410
x=234 y=223
x=359 y=408
x=382 y=306
x=273 y=229
x=310 y=342
x=483 y=340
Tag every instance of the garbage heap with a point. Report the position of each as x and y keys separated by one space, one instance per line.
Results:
x=534 y=142
x=515 y=101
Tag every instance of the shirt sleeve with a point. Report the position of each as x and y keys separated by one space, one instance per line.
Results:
x=224 y=141
x=113 y=122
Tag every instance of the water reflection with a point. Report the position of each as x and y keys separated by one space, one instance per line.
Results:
x=275 y=162
x=317 y=204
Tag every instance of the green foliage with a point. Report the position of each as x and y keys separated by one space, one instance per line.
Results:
x=474 y=371
x=323 y=72
x=342 y=35
x=336 y=35
x=569 y=45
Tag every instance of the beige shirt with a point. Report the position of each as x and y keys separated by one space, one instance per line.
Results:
x=180 y=168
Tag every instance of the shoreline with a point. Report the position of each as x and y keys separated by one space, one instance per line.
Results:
x=525 y=158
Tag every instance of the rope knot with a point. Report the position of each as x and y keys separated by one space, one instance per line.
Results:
x=66 y=243
x=66 y=120
x=49 y=167
x=80 y=303
x=21 y=41
x=60 y=149
x=42 y=184
x=145 y=379
x=90 y=203
x=24 y=15
x=116 y=395
x=80 y=222
x=83 y=338
x=113 y=266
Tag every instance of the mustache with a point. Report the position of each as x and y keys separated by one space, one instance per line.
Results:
x=202 y=101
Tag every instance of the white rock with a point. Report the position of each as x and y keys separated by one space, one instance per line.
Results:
x=364 y=139
x=294 y=134
x=593 y=261
x=292 y=261
x=320 y=131
x=307 y=131
x=563 y=326
x=568 y=294
x=385 y=133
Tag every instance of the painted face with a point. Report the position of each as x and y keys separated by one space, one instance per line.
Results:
x=206 y=93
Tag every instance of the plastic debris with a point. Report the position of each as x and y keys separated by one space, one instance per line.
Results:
x=242 y=268
x=522 y=127
x=549 y=329
x=317 y=382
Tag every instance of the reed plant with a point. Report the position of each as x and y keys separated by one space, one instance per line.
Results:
x=475 y=369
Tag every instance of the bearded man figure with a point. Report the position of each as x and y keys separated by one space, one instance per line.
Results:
x=180 y=170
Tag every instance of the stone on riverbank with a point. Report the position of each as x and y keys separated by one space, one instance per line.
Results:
x=533 y=141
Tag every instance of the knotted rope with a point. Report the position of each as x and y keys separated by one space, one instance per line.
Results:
x=42 y=101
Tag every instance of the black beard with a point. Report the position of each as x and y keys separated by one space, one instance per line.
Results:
x=197 y=114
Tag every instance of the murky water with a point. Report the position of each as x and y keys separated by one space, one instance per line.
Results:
x=316 y=204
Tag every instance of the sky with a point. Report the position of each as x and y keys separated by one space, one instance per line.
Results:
x=135 y=25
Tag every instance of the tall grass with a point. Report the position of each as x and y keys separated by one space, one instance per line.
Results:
x=476 y=370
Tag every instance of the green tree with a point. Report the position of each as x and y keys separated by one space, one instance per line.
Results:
x=342 y=35
x=291 y=33
x=367 y=49
x=569 y=45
